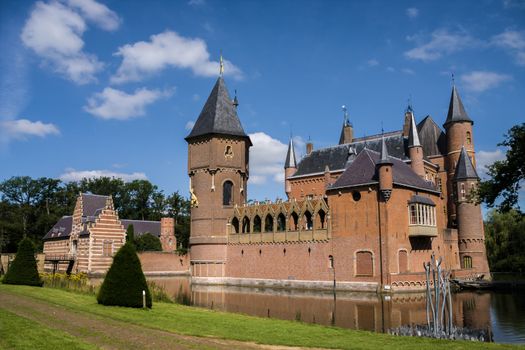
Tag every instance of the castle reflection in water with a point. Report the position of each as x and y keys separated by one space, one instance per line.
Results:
x=364 y=311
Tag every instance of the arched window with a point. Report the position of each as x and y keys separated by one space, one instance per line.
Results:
x=364 y=264
x=257 y=223
x=281 y=222
x=321 y=214
x=245 y=225
x=469 y=138
x=235 y=225
x=227 y=193
x=294 y=221
x=268 y=223
x=467 y=262
x=307 y=219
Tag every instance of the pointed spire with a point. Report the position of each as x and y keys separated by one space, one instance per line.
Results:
x=464 y=168
x=456 y=111
x=413 y=135
x=383 y=159
x=218 y=116
x=291 y=161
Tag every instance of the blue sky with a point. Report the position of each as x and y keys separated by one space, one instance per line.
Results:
x=112 y=87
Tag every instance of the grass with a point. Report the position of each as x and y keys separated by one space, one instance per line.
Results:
x=20 y=333
x=208 y=323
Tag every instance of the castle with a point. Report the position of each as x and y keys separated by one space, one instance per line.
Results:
x=362 y=215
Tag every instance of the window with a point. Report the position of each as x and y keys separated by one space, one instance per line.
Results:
x=308 y=223
x=257 y=223
x=422 y=214
x=469 y=138
x=321 y=214
x=364 y=264
x=227 y=193
x=467 y=262
x=463 y=191
x=107 y=248
x=235 y=225
x=331 y=261
x=268 y=223
x=245 y=225
x=295 y=221
x=281 y=222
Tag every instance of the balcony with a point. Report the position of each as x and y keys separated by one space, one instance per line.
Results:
x=422 y=231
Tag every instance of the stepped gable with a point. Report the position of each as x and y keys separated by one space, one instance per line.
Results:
x=141 y=227
x=218 y=116
x=465 y=169
x=456 y=111
x=363 y=172
x=432 y=138
x=336 y=157
x=62 y=229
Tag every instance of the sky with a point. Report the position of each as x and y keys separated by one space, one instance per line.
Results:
x=111 y=88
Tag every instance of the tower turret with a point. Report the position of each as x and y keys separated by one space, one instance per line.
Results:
x=471 y=235
x=415 y=149
x=218 y=155
x=384 y=169
x=290 y=167
x=458 y=127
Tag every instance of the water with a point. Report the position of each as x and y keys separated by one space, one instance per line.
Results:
x=502 y=315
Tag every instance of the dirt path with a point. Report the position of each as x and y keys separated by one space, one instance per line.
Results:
x=111 y=334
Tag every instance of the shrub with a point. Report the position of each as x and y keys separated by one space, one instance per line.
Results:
x=130 y=234
x=148 y=242
x=125 y=281
x=23 y=270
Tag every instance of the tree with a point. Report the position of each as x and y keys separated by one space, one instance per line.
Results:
x=130 y=234
x=179 y=208
x=505 y=241
x=23 y=270
x=125 y=281
x=506 y=176
x=148 y=242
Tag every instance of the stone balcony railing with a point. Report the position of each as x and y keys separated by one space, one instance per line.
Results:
x=279 y=237
x=422 y=231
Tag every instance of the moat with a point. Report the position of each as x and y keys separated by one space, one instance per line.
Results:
x=501 y=314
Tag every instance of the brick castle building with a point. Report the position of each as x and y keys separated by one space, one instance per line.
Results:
x=364 y=214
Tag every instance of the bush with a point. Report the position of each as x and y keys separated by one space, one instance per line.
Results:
x=125 y=281
x=23 y=270
x=148 y=242
x=130 y=234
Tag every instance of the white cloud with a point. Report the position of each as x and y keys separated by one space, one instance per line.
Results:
x=513 y=42
x=412 y=12
x=21 y=129
x=189 y=125
x=77 y=175
x=197 y=2
x=486 y=158
x=97 y=13
x=164 y=50
x=372 y=62
x=54 y=32
x=518 y=4
x=442 y=42
x=408 y=71
x=267 y=156
x=116 y=104
x=479 y=81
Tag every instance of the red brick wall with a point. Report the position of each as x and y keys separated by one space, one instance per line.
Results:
x=164 y=262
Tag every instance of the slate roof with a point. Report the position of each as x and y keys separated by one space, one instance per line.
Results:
x=218 y=116
x=61 y=230
x=456 y=111
x=432 y=138
x=291 y=161
x=421 y=199
x=140 y=227
x=464 y=168
x=362 y=171
x=413 y=134
x=92 y=203
x=336 y=157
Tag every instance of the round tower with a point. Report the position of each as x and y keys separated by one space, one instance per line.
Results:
x=471 y=236
x=384 y=169
x=218 y=155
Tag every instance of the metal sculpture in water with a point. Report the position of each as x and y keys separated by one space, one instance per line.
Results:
x=439 y=298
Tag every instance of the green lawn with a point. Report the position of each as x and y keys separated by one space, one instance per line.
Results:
x=208 y=323
x=20 y=333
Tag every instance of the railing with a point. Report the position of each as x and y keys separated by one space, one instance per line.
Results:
x=279 y=236
x=63 y=257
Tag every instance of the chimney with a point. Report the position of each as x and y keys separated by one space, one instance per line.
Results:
x=309 y=147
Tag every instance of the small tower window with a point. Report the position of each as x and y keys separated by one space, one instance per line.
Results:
x=467 y=262
x=463 y=193
x=469 y=138
x=227 y=191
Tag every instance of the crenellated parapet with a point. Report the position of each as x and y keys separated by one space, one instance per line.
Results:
x=281 y=221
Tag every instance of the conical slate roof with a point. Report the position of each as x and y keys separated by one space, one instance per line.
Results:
x=291 y=161
x=464 y=169
x=456 y=111
x=384 y=153
x=413 y=135
x=218 y=116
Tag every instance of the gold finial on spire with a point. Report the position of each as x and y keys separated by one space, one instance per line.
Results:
x=221 y=66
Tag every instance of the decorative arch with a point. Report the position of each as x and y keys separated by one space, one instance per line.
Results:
x=235 y=225
x=257 y=226
x=308 y=220
x=281 y=222
x=268 y=223
x=364 y=263
x=294 y=221
x=321 y=219
x=245 y=224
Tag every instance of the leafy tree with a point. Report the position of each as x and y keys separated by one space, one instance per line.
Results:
x=23 y=270
x=505 y=241
x=506 y=176
x=125 y=281
x=148 y=242
x=178 y=207
x=130 y=234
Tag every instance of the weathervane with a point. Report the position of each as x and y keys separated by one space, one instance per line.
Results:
x=221 y=65
x=453 y=79
x=346 y=122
